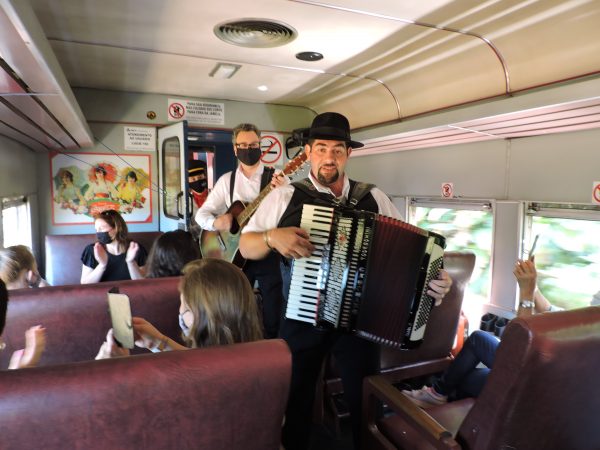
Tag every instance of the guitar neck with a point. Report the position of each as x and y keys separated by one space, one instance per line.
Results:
x=243 y=217
x=290 y=168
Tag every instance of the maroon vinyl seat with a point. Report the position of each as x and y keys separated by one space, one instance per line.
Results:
x=228 y=397
x=541 y=394
x=63 y=254
x=76 y=316
x=432 y=355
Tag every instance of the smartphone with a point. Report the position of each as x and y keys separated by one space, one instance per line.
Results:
x=532 y=250
x=120 y=314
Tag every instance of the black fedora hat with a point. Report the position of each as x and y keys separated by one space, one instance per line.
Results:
x=332 y=126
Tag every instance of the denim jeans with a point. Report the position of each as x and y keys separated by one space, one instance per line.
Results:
x=462 y=374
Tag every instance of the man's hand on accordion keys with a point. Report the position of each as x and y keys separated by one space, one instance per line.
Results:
x=291 y=242
x=439 y=287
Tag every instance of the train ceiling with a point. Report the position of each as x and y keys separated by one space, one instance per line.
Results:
x=384 y=61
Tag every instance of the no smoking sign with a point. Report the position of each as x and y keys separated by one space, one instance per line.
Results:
x=272 y=149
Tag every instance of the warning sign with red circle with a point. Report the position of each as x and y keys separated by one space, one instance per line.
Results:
x=176 y=110
x=272 y=149
x=448 y=190
x=596 y=192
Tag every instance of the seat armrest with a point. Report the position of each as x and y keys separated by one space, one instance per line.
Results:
x=418 y=369
x=378 y=389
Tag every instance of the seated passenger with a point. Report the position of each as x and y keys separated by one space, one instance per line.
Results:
x=18 y=268
x=170 y=252
x=462 y=375
x=113 y=257
x=35 y=338
x=217 y=308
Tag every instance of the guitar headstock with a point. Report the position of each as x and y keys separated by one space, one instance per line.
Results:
x=295 y=164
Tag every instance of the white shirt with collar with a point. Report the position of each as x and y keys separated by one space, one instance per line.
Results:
x=219 y=200
x=271 y=209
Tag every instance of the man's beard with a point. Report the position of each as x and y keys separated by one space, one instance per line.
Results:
x=328 y=181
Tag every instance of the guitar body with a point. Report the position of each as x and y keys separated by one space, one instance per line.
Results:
x=224 y=244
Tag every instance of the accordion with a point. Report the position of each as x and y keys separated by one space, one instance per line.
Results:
x=367 y=275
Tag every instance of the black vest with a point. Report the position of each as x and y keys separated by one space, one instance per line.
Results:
x=305 y=192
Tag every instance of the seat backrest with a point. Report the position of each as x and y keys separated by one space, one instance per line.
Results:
x=443 y=321
x=76 y=317
x=543 y=389
x=228 y=397
x=63 y=254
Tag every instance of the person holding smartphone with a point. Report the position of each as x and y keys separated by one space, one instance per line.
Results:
x=218 y=307
x=463 y=377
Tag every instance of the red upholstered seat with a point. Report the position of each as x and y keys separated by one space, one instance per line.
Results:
x=228 y=397
x=76 y=316
x=542 y=393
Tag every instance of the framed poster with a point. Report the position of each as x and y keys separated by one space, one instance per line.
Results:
x=85 y=184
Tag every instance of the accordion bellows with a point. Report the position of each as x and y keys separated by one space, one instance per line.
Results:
x=368 y=275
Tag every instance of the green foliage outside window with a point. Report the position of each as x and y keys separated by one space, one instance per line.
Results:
x=567 y=259
x=464 y=230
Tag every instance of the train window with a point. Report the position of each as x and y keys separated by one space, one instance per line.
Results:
x=16 y=222
x=567 y=253
x=466 y=226
x=171 y=176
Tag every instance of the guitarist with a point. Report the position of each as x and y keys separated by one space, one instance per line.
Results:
x=244 y=184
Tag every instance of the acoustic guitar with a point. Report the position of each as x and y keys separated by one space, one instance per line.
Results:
x=225 y=244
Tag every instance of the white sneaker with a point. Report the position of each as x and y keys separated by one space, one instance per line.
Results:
x=426 y=397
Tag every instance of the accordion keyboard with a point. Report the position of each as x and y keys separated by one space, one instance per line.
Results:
x=303 y=298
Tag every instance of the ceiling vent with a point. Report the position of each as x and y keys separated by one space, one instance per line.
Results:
x=256 y=33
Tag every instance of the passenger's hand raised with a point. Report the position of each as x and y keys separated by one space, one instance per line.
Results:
x=526 y=276
x=132 y=251
x=35 y=343
x=100 y=254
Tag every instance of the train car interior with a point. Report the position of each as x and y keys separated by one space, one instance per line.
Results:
x=481 y=122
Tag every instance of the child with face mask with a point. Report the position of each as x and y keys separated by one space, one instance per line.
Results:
x=113 y=257
x=218 y=307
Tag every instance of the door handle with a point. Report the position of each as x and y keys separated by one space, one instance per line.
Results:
x=179 y=197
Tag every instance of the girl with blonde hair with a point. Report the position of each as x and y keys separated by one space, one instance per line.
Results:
x=18 y=268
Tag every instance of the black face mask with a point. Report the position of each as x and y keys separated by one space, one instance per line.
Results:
x=103 y=237
x=249 y=156
x=198 y=185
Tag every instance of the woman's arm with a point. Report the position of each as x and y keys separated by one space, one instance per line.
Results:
x=135 y=272
x=89 y=275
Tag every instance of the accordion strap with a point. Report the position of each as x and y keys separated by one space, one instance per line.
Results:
x=358 y=190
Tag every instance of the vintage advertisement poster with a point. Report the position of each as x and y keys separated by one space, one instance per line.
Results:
x=84 y=184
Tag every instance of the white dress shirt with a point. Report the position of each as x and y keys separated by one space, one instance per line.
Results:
x=271 y=209
x=218 y=201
